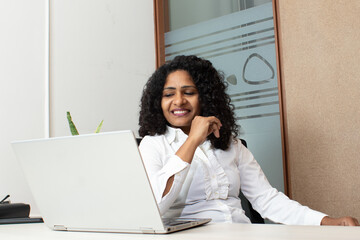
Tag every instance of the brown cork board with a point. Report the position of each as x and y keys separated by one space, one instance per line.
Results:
x=320 y=72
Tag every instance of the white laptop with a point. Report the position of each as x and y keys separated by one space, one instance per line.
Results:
x=94 y=182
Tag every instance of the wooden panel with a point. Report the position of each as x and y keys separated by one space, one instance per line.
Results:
x=320 y=75
x=160 y=22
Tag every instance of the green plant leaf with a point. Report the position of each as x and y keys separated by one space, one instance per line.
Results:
x=73 y=129
x=99 y=127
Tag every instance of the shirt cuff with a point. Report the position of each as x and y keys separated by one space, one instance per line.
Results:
x=174 y=166
x=314 y=217
x=179 y=178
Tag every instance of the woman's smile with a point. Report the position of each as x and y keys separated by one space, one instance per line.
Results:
x=180 y=112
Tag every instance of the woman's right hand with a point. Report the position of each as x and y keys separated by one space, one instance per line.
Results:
x=201 y=127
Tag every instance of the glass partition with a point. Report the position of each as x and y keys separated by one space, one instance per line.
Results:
x=238 y=38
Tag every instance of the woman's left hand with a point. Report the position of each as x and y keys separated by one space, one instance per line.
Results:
x=343 y=221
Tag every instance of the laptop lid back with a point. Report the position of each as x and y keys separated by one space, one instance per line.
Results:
x=94 y=182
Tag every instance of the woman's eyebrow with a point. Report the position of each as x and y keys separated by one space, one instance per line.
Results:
x=170 y=88
x=188 y=86
x=185 y=86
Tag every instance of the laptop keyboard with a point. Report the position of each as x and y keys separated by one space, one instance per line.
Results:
x=177 y=222
x=174 y=222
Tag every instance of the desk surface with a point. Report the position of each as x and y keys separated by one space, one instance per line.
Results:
x=39 y=231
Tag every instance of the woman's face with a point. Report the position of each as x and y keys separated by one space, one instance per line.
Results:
x=180 y=100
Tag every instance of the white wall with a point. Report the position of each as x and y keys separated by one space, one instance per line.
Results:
x=101 y=54
x=99 y=74
x=23 y=72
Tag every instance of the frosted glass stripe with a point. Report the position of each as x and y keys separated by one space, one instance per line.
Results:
x=217 y=32
x=242 y=46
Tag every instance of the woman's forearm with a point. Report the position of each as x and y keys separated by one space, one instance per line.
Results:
x=186 y=153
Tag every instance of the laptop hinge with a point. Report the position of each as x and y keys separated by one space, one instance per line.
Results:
x=60 y=228
x=147 y=230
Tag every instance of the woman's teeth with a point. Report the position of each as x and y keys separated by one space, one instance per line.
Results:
x=180 y=112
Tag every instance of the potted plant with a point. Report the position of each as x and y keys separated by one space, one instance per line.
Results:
x=72 y=126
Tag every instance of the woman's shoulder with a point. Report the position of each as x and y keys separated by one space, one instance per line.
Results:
x=154 y=141
x=151 y=145
x=154 y=138
x=237 y=145
x=166 y=137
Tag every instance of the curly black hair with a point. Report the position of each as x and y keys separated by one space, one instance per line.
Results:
x=213 y=99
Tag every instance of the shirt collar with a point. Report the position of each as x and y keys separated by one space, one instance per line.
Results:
x=173 y=134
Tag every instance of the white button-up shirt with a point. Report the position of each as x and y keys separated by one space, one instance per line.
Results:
x=209 y=186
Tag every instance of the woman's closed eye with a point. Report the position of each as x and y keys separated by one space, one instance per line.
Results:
x=190 y=93
x=168 y=94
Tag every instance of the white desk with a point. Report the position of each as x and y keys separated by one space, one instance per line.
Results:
x=210 y=231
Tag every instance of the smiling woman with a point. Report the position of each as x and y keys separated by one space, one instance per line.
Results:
x=195 y=163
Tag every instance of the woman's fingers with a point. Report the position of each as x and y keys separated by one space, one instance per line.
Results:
x=212 y=125
x=343 y=221
x=215 y=126
x=215 y=129
x=201 y=127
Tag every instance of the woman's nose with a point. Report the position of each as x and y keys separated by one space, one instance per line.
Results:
x=179 y=100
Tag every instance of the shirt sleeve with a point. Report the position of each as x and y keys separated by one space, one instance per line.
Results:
x=268 y=201
x=160 y=166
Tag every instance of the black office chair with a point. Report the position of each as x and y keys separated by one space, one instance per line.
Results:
x=252 y=214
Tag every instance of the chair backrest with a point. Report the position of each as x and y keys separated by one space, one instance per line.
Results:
x=252 y=214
